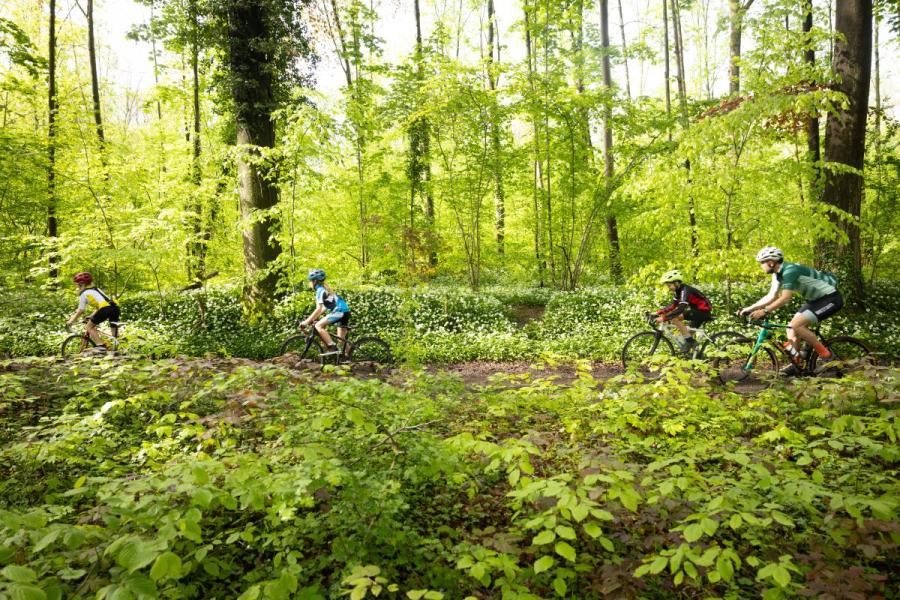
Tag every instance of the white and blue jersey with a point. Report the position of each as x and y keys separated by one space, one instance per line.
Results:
x=336 y=306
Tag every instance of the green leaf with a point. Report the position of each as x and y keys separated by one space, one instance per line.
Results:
x=566 y=532
x=593 y=530
x=26 y=591
x=136 y=554
x=580 y=512
x=781 y=576
x=724 y=567
x=415 y=594
x=167 y=564
x=560 y=587
x=565 y=550
x=658 y=564
x=544 y=537
x=543 y=563
x=18 y=574
x=693 y=532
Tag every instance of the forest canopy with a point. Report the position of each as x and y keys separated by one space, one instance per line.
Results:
x=560 y=144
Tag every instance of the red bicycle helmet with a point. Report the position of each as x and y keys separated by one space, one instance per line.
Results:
x=83 y=277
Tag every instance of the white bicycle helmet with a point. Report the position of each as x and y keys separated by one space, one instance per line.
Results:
x=769 y=253
x=671 y=276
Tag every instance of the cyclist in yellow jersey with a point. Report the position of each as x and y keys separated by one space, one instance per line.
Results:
x=103 y=308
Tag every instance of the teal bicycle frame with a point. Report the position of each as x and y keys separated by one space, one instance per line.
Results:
x=765 y=333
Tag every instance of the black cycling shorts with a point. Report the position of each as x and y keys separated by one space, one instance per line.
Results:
x=696 y=318
x=824 y=307
x=107 y=313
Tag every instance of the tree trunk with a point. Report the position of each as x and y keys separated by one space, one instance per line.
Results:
x=612 y=229
x=624 y=51
x=253 y=94
x=666 y=70
x=196 y=246
x=679 y=61
x=845 y=137
x=95 y=85
x=420 y=163
x=536 y=190
x=497 y=161
x=52 y=231
x=812 y=123
x=736 y=13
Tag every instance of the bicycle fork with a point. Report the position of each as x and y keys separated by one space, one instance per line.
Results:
x=764 y=334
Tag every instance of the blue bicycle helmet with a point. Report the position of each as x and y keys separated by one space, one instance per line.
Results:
x=316 y=275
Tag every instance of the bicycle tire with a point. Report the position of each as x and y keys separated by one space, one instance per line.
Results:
x=643 y=345
x=371 y=348
x=732 y=367
x=72 y=345
x=298 y=345
x=851 y=354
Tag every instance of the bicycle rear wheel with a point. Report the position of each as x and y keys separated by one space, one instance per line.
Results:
x=734 y=362
x=850 y=354
x=303 y=346
x=75 y=344
x=371 y=349
x=642 y=346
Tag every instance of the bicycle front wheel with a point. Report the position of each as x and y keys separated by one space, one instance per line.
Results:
x=75 y=344
x=850 y=354
x=736 y=362
x=642 y=346
x=302 y=346
x=371 y=349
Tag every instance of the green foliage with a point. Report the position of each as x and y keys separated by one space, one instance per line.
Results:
x=219 y=478
x=426 y=325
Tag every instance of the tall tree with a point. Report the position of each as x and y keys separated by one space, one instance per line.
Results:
x=95 y=78
x=261 y=41
x=52 y=229
x=497 y=160
x=197 y=244
x=737 y=10
x=845 y=137
x=419 y=165
x=813 y=145
x=612 y=227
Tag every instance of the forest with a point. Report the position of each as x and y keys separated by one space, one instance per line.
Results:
x=496 y=188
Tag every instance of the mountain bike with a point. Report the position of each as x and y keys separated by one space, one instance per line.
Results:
x=79 y=342
x=309 y=345
x=663 y=340
x=748 y=355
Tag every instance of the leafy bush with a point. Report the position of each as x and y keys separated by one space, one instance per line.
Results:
x=435 y=325
x=225 y=478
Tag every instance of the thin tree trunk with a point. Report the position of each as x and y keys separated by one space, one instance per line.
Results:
x=497 y=162
x=879 y=168
x=812 y=123
x=736 y=13
x=196 y=250
x=624 y=51
x=679 y=61
x=52 y=231
x=95 y=85
x=666 y=69
x=845 y=137
x=612 y=229
x=536 y=188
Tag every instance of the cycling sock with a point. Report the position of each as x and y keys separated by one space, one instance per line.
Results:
x=821 y=350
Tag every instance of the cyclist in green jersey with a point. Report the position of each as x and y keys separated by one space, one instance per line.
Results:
x=818 y=289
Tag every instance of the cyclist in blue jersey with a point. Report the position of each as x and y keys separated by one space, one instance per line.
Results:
x=327 y=301
x=818 y=289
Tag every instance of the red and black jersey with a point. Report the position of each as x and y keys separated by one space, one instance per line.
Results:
x=686 y=298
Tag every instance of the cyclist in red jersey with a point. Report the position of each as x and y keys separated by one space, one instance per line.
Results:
x=690 y=306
